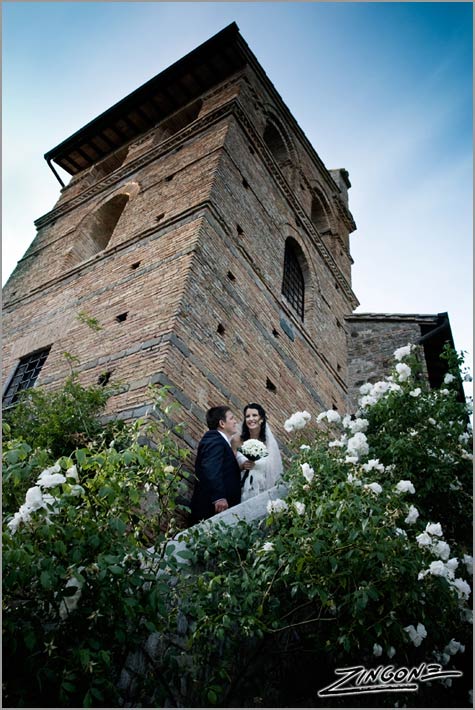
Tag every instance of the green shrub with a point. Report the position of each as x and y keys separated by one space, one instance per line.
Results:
x=342 y=568
x=366 y=562
x=80 y=588
x=59 y=420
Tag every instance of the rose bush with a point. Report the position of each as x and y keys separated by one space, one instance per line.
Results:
x=80 y=588
x=367 y=561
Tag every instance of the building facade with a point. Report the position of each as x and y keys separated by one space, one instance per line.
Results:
x=204 y=233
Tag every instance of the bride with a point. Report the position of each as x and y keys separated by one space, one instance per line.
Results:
x=262 y=474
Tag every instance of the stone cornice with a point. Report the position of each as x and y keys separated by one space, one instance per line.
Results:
x=141 y=161
x=394 y=317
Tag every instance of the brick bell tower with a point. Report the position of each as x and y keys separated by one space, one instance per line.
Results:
x=205 y=234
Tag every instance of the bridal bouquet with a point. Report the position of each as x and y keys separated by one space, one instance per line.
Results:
x=253 y=449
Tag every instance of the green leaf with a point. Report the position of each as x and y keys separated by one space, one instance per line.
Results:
x=115 y=569
x=118 y=525
x=45 y=580
x=212 y=697
x=84 y=656
x=106 y=492
x=97 y=693
x=81 y=456
x=68 y=687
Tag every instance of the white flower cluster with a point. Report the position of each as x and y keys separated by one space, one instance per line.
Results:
x=372 y=393
x=254 y=449
x=307 y=471
x=277 y=506
x=454 y=647
x=412 y=515
x=374 y=487
x=297 y=421
x=357 y=445
x=405 y=487
x=404 y=371
x=443 y=567
x=354 y=425
x=403 y=352
x=373 y=465
x=417 y=635
x=331 y=415
x=35 y=498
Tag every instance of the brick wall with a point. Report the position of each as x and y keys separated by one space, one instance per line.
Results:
x=196 y=263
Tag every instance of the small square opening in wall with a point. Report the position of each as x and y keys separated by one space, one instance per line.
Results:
x=135 y=265
x=220 y=329
x=239 y=229
x=231 y=276
x=275 y=333
x=245 y=183
x=159 y=217
x=121 y=317
x=169 y=178
x=104 y=378
x=270 y=385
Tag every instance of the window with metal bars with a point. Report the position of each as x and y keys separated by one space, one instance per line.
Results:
x=25 y=375
x=293 y=285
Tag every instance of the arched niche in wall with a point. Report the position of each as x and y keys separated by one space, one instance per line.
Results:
x=96 y=229
x=280 y=146
x=177 y=121
x=103 y=221
x=322 y=219
x=319 y=215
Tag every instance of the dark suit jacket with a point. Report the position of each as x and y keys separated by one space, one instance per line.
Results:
x=218 y=475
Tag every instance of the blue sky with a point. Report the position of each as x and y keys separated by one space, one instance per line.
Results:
x=382 y=89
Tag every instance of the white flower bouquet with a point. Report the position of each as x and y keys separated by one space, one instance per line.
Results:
x=253 y=449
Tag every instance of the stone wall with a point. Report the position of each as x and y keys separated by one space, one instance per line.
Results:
x=372 y=340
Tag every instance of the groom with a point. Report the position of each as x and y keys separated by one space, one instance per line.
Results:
x=219 y=480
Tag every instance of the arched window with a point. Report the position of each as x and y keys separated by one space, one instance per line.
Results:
x=293 y=283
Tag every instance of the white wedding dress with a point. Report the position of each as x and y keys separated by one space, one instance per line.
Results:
x=265 y=472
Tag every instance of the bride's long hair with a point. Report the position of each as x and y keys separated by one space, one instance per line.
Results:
x=245 y=435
